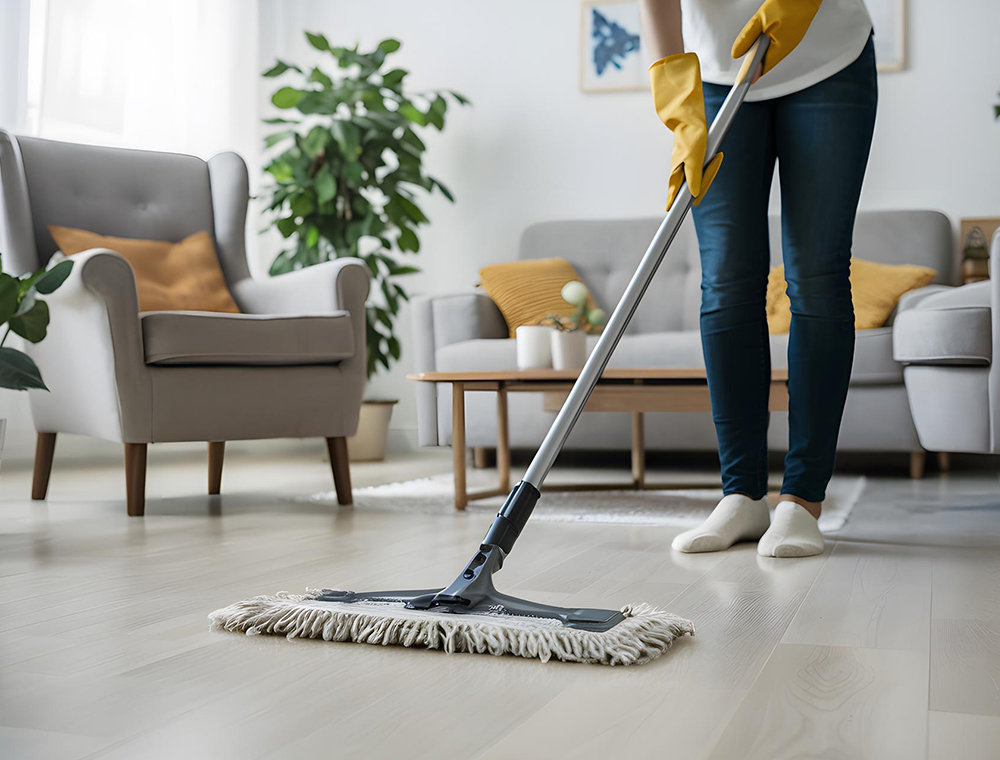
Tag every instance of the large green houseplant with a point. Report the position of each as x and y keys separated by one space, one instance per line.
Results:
x=347 y=173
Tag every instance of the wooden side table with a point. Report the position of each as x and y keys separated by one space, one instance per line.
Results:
x=635 y=391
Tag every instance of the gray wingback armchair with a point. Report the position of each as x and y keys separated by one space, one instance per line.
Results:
x=292 y=364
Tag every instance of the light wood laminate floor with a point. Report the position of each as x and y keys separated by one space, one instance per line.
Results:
x=886 y=646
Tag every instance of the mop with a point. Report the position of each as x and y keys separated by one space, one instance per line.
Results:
x=471 y=615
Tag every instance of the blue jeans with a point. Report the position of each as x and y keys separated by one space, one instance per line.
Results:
x=820 y=138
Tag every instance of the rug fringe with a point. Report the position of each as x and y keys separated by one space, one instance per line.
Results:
x=645 y=634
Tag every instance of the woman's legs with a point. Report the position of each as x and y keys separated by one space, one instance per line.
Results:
x=735 y=258
x=823 y=136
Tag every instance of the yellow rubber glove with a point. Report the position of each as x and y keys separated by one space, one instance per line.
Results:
x=680 y=104
x=785 y=22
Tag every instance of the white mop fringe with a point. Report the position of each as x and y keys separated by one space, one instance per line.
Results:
x=645 y=634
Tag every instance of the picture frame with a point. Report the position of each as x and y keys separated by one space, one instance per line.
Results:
x=889 y=23
x=610 y=48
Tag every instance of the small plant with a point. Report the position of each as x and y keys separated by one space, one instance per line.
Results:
x=27 y=315
x=996 y=111
x=350 y=173
x=585 y=319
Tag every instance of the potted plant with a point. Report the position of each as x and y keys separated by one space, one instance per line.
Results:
x=23 y=313
x=347 y=175
x=569 y=339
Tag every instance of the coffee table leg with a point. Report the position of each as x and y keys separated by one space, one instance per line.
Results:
x=503 y=439
x=638 y=450
x=458 y=443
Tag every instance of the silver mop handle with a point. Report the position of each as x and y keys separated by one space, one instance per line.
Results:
x=555 y=439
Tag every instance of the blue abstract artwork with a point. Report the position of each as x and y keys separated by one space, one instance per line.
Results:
x=611 y=42
x=610 y=59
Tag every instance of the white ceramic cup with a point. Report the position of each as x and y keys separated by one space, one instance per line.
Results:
x=569 y=349
x=534 y=347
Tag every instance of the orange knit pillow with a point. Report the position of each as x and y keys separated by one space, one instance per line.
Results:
x=183 y=276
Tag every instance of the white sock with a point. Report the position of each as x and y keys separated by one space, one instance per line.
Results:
x=793 y=533
x=735 y=518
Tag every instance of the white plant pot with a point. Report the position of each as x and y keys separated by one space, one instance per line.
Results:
x=368 y=444
x=534 y=349
x=569 y=349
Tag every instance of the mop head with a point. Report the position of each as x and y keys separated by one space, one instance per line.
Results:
x=644 y=635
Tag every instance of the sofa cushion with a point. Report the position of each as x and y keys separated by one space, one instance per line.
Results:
x=200 y=338
x=873 y=363
x=949 y=336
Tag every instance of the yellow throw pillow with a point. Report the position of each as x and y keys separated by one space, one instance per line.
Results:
x=875 y=291
x=526 y=292
x=183 y=276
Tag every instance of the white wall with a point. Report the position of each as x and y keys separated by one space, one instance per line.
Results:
x=534 y=147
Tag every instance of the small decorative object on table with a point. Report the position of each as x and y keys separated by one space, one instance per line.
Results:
x=534 y=347
x=569 y=339
x=27 y=315
x=975 y=247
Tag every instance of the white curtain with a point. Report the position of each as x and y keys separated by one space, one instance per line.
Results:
x=177 y=76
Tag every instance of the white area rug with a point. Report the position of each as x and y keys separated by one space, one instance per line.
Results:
x=436 y=495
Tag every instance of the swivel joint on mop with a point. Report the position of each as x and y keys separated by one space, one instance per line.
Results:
x=512 y=517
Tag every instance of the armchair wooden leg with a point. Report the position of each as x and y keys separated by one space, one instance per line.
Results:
x=337 y=447
x=917 y=461
x=216 y=455
x=135 y=479
x=944 y=461
x=44 y=450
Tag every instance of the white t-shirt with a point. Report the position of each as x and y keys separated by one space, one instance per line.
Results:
x=835 y=39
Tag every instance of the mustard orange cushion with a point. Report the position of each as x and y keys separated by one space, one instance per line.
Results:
x=527 y=292
x=183 y=276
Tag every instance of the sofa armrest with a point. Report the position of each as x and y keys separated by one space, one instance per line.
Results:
x=92 y=358
x=440 y=321
x=912 y=298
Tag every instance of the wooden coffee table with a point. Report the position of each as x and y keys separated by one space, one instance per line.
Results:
x=635 y=391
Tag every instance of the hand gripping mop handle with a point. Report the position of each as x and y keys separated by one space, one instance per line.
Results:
x=519 y=505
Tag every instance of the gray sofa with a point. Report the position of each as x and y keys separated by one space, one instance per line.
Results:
x=465 y=331
x=947 y=340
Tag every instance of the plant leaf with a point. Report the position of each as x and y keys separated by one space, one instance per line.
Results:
x=51 y=279
x=277 y=137
x=286 y=226
x=394 y=77
x=9 y=297
x=412 y=210
x=33 y=324
x=326 y=186
x=462 y=100
x=389 y=45
x=279 y=68
x=27 y=302
x=412 y=113
x=316 y=75
x=18 y=372
x=407 y=240
x=287 y=97
x=444 y=190
x=312 y=236
x=318 y=41
x=347 y=137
